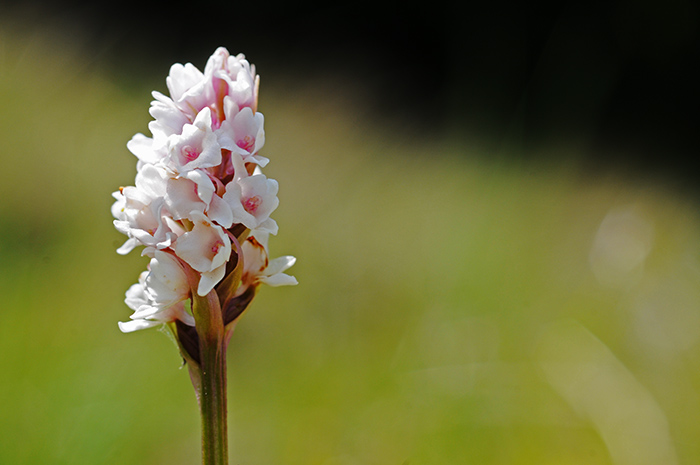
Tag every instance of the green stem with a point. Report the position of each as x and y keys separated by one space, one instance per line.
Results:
x=213 y=408
x=211 y=378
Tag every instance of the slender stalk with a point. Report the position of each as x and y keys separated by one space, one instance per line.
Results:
x=211 y=378
x=213 y=405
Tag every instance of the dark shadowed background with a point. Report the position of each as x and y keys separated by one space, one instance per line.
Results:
x=618 y=80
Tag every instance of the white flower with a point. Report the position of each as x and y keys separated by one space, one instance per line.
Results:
x=242 y=132
x=196 y=147
x=188 y=86
x=159 y=295
x=139 y=210
x=258 y=268
x=168 y=120
x=252 y=199
x=206 y=248
x=233 y=76
x=185 y=195
x=143 y=148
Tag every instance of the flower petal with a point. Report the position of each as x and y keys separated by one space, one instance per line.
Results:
x=136 y=325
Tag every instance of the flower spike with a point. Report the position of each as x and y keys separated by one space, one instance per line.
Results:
x=201 y=209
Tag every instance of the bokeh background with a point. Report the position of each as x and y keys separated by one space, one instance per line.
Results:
x=495 y=213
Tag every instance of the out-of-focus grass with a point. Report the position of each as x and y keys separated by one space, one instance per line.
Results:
x=451 y=308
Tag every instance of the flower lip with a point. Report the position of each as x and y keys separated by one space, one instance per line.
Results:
x=251 y=204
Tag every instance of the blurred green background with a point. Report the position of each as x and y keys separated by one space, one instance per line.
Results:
x=460 y=300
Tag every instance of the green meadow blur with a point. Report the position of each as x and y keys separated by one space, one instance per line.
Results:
x=452 y=308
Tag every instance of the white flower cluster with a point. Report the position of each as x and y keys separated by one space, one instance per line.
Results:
x=200 y=201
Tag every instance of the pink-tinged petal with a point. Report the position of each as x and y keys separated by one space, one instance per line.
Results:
x=243 y=133
x=122 y=226
x=136 y=294
x=127 y=247
x=274 y=276
x=151 y=181
x=136 y=325
x=280 y=264
x=206 y=247
x=243 y=87
x=166 y=282
x=249 y=129
x=168 y=119
x=143 y=218
x=252 y=199
x=147 y=312
x=119 y=205
x=259 y=269
x=182 y=198
x=269 y=226
x=185 y=317
x=165 y=314
x=142 y=147
x=135 y=198
x=210 y=279
x=159 y=295
x=175 y=227
x=184 y=81
x=259 y=160
x=279 y=279
x=233 y=197
x=220 y=212
x=233 y=76
x=196 y=147
x=239 y=168
x=204 y=185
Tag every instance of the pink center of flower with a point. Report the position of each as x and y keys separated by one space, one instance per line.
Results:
x=215 y=248
x=189 y=153
x=251 y=204
x=247 y=143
